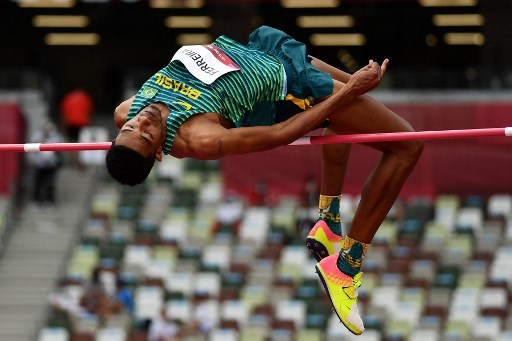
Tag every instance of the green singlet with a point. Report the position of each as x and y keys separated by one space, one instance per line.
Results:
x=276 y=80
x=261 y=78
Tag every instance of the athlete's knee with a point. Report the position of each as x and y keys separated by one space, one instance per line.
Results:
x=410 y=151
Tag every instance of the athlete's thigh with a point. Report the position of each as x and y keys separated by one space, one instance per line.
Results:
x=367 y=115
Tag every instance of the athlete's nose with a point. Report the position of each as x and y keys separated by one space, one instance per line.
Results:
x=144 y=121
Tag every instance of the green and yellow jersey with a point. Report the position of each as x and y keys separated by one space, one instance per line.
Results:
x=261 y=78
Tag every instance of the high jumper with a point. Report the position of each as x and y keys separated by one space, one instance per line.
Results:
x=227 y=98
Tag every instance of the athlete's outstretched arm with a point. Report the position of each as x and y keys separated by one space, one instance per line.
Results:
x=212 y=141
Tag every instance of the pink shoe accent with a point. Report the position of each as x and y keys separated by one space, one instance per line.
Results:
x=333 y=238
x=330 y=269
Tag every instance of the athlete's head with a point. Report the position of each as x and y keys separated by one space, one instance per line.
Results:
x=139 y=142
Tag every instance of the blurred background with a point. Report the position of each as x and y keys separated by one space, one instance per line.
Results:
x=214 y=250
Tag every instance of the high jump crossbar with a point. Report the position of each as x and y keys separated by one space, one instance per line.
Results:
x=305 y=140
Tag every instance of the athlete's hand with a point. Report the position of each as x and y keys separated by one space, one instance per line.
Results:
x=368 y=77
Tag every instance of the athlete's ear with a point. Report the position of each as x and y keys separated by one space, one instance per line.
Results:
x=159 y=153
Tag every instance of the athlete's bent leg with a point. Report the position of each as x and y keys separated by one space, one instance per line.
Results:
x=340 y=273
x=326 y=235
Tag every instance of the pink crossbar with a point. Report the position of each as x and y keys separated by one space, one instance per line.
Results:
x=305 y=140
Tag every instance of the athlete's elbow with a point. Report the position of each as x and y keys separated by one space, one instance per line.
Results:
x=207 y=148
x=119 y=116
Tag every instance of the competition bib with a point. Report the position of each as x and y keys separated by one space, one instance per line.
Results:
x=205 y=62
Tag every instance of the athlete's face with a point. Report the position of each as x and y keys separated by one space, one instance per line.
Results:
x=144 y=133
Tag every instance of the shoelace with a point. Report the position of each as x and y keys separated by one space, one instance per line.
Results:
x=358 y=281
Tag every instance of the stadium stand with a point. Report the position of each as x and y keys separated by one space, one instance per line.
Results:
x=439 y=268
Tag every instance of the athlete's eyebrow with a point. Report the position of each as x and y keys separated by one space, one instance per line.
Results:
x=145 y=139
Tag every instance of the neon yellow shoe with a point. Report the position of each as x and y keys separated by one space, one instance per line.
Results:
x=321 y=240
x=342 y=291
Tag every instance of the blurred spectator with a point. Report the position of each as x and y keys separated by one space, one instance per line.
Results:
x=46 y=165
x=62 y=300
x=92 y=134
x=204 y=318
x=124 y=297
x=229 y=213
x=161 y=329
x=311 y=192
x=76 y=109
x=96 y=301
x=259 y=195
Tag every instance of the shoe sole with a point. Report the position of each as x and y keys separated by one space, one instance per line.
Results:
x=316 y=248
x=319 y=273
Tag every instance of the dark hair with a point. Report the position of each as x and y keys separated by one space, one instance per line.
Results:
x=128 y=166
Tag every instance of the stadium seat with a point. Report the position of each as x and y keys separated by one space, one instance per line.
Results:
x=83 y=260
x=120 y=320
x=179 y=310
x=488 y=240
x=165 y=252
x=398 y=330
x=282 y=330
x=309 y=335
x=437 y=270
x=291 y=262
x=223 y=335
x=253 y=334
x=173 y=230
x=207 y=283
x=283 y=219
x=293 y=310
x=136 y=258
x=386 y=298
x=180 y=283
x=386 y=234
x=422 y=269
x=506 y=335
x=464 y=304
x=149 y=301
x=347 y=208
x=472 y=280
x=170 y=169
x=486 y=327
x=470 y=218
x=425 y=335
x=218 y=256
x=283 y=289
x=53 y=334
x=420 y=209
x=262 y=272
x=494 y=299
x=406 y=317
x=158 y=268
x=86 y=324
x=236 y=310
x=499 y=205
x=254 y=295
x=435 y=236
x=255 y=225
x=110 y=334
x=208 y=312
x=445 y=209
x=210 y=192
x=456 y=330
x=105 y=202
x=377 y=259
x=501 y=266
